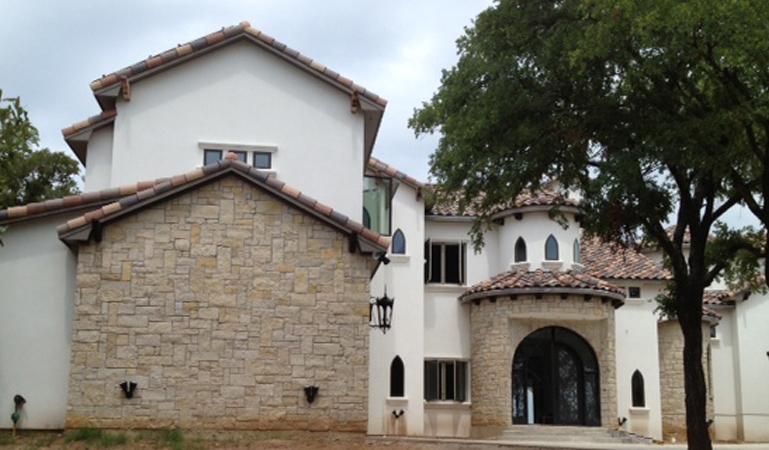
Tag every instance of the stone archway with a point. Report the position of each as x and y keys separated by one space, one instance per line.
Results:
x=555 y=379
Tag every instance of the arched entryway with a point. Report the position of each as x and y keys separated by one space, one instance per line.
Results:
x=555 y=380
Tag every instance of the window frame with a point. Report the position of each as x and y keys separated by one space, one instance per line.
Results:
x=206 y=151
x=550 y=239
x=393 y=382
x=239 y=153
x=576 y=252
x=632 y=290
x=461 y=262
x=389 y=182
x=460 y=383
x=269 y=160
x=520 y=241
x=637 y=391
x=398 y=233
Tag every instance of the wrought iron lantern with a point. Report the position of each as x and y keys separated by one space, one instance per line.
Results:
x=380 y=312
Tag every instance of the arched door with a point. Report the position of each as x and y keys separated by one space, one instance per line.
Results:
x=555 y=380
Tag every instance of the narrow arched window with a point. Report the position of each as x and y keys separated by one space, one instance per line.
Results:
x=520 y=250
x=396 y=377
x=577 y=255
x=551 y=249
x=399 y=243
x=639 y=396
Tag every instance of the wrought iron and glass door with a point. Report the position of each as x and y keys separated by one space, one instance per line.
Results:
x=555 y=380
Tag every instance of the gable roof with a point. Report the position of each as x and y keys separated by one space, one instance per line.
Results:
x=108 y=87
x=377 y=167
x=243 y=29
x=79 y=229
x=610 y=261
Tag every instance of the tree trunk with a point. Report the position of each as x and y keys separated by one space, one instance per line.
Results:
x=697 y=433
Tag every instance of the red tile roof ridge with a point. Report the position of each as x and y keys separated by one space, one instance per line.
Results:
x=98 y=120
x=244 y=28
x=262 y=178
x=378 y=166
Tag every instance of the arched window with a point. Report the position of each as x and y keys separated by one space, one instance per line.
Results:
x=551 y=249
x=396 y=377
x=399 y=243
x=639 y=397
x=520 y=250
x=577 y=255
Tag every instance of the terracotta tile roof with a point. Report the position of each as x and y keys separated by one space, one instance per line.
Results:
x=543 y=197
x=377 y=167
x=520 y=281
x=157 y=192
x=72 y=202
x=718 y=297
x=612 y=261
x=243 y=29
x=92 y=122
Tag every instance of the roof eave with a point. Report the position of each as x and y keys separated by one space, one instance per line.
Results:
x=616 y=298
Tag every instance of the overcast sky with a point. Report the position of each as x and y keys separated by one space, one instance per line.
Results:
x=51 y=49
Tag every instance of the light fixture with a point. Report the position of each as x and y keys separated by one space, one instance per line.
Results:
x=310 y=392
x=380 y=312
x=128 y=387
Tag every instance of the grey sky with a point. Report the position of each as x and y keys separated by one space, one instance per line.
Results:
x=52 y=49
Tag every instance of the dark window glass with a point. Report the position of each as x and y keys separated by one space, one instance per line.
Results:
x=639 y=397
x=461 y=381
x=634 y=292
x=399 y=243
x=577 y=252
x=713 y=332
x=446 y=380
x=396 y=377
x=211 y=156
x=262 y=160
x=427 y=261
x=431 y=380
x=366 y=218
x=551 y=249
x=241 y=155
x=452 y=265
x=520 y=250
x=436 y=255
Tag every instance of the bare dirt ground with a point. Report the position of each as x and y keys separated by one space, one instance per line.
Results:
x=201 y=440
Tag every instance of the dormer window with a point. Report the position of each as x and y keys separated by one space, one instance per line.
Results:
x=577 y=252
x=551 y=249
x=520 y=250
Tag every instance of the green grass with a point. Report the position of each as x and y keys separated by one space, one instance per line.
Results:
x=96 y=436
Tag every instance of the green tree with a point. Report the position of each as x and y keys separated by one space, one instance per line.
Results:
x=29 y=174
x=625 y=101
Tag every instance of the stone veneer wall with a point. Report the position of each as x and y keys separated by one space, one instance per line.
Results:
x=498 y=328
x=222 y=303
x=671 y=350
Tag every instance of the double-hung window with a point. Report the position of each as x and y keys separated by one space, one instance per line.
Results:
x=445 y=380
x=211 y=156
x=445 y=262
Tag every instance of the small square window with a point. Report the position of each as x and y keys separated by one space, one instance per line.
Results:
x=241 y=155
x=211 y=156
x=262 y=160
x=713 y=332
x=634 y=292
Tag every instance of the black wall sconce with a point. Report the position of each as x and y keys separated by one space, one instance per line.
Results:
x=128 y=388
x=708 y=423
x=398 y=413
x=621 y=420
x=310 y=392
x=380 y=312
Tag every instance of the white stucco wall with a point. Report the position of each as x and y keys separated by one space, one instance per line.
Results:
x=636 y=349
x=37 y=275
x=403 y=278
x=751 y=319
x=535 y=228
x=241 y=94
x=726 y=380
x=98 y=164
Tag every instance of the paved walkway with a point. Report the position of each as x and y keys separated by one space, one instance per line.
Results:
x=535 y=445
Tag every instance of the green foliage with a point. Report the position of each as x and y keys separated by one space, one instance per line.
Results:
x=98 y=437
x=29 y=174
